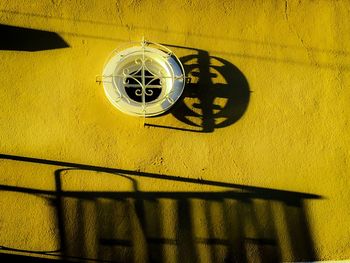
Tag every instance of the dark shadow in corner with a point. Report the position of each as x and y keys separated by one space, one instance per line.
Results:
x=26 y=39
x=236 y=224
x=4 y=257
x=216 y=96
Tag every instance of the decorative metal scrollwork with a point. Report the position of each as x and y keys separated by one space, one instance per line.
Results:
x=145 y=80
x=142 y=83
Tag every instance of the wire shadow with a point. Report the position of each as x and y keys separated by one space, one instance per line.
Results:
x=217 y=95
x=26 y=39
x=235 y=224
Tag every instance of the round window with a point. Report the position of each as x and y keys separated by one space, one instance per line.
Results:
x=143 y=80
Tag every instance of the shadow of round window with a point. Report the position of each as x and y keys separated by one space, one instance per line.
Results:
x=217 y=96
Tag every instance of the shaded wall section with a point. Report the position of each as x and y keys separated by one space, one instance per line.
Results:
x=27 y=39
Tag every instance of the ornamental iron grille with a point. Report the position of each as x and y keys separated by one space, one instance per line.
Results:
x=143 y=80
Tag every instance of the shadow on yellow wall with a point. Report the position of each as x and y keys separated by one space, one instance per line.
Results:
x=27 y=39
x=216 y=96
x=236 y=224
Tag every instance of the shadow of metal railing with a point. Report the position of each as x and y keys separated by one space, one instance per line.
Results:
x=236 y=223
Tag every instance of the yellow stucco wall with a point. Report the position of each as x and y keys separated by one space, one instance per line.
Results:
x=273 y=184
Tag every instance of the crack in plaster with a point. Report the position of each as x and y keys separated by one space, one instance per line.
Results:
x=294 y=31
x=119 y=12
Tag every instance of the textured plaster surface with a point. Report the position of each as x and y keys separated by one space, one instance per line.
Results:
x=293 y=135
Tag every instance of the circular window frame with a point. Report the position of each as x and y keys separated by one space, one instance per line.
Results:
x=132 y=62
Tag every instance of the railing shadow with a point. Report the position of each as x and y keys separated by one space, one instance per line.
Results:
x=235 y=224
